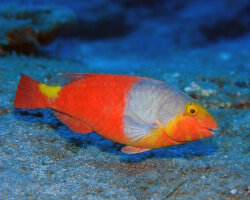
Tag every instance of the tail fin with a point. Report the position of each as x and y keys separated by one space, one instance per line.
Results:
x=28 y=94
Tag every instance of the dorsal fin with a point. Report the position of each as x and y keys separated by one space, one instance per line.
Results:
x=74 y=124
x=66 y=78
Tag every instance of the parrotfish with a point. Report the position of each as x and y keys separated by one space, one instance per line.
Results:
x=139 y=112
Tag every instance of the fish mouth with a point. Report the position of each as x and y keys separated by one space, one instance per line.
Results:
x=205 y=133
x=208 y=132
x=211 y=129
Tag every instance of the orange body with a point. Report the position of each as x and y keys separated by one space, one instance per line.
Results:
x=99 y=100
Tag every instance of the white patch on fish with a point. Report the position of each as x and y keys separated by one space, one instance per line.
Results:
x=148 y=101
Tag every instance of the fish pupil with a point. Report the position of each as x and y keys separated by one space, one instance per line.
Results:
x=192 y=111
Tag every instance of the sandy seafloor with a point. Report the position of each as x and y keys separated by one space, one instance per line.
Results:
x=40 y=158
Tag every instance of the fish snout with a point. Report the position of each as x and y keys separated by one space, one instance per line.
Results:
x=212 y=124
x=209 y=127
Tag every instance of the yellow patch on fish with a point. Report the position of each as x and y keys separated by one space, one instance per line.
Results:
x=49 y=91
x=171 y=125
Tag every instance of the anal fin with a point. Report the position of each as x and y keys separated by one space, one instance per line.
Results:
x=74 y=124
x=133 y=150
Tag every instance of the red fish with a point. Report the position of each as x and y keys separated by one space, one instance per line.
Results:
x=139 y=112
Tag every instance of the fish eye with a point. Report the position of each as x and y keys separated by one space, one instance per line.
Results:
x=192 y=109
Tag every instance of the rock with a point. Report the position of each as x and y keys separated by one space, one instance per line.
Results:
x=23 y=28
x=233 y=191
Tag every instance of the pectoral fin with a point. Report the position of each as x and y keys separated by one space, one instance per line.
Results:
x=136 y=128
x=133 y=150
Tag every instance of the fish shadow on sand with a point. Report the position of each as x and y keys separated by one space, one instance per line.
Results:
x=45 y=116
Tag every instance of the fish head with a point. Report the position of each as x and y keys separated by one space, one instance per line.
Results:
x=194 y=123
